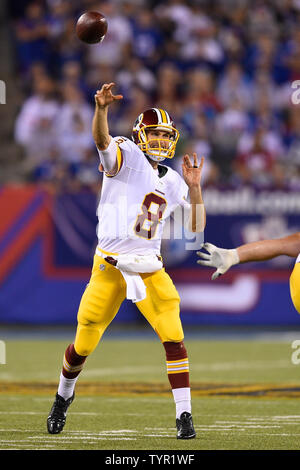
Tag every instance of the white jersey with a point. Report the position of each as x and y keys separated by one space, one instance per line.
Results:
x=136 y=202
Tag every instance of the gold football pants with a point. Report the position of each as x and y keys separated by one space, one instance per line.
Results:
x=295 y=286
x=106 y=291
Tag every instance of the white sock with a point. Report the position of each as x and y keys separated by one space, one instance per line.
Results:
x=182 y=398
x=66 y=386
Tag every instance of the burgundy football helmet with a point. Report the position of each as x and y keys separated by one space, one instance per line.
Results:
x=158 y=119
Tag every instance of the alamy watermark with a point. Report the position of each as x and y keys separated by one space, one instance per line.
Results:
x=122 y=220
x=295 y=358
x=2 y=352
x=2 y=92
x=295 y=98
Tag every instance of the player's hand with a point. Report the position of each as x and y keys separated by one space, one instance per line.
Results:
x=105 y=97
x=218 y=258
x=191 y=171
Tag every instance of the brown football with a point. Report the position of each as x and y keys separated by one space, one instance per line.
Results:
x=91 y=27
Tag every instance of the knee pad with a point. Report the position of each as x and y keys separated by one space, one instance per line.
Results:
x=87 y=338
x=168 y=327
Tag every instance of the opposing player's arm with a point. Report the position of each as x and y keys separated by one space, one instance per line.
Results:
x=196 y=220
x=268 y=249
x=262 y=250
x=108 y=149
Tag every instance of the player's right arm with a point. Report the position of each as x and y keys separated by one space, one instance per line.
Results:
x=105 y=144
x=256 y=251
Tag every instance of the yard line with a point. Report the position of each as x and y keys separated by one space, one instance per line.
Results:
x=275 y=434
x=117 y=431
x=287 y=416
x=32 y=431
x=244 y=425
x=80 y=413
x=247 y=423
x=19 y=443
x=104 y=432
x=220 y=423
x=78 y=438
x=42 y=413
x=84 y=433
x=21 y=413
x=17 y=448
x=12 y=440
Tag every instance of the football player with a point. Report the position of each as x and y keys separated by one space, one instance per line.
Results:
x=256 y=251
x=138 y=195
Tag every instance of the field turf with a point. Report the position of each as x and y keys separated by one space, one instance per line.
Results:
x=245 y=395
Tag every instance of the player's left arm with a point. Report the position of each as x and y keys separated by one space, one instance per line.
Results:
x=192 y=177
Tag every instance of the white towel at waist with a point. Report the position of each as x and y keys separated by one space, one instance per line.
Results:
x=130 y=266
x=135 y=287
x=298 y=259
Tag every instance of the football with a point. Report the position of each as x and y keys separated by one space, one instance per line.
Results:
x=91 y=27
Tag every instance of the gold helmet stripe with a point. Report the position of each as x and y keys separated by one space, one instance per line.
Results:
x=164 y=116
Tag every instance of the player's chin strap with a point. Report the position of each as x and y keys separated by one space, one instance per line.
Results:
x=130 y=266
x=155 y=159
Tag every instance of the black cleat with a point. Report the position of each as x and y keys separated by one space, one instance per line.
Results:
x=185 y=427
x=58 y=414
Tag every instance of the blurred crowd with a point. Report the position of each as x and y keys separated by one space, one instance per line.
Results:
x=222 y=68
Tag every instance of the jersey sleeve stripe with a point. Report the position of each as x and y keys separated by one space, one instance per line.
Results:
x=119 y=161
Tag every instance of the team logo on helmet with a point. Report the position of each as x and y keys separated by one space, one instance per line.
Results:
x=156 y=148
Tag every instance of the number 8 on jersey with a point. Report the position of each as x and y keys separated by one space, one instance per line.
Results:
x=153 y=208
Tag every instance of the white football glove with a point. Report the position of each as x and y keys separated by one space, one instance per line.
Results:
x=218 y=258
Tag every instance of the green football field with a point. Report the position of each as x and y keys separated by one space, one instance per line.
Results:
x=245 y=395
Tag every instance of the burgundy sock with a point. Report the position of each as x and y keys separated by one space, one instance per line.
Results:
x=73 y=363
x=177 y=364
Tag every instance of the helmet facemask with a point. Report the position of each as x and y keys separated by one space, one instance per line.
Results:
x=158 y=151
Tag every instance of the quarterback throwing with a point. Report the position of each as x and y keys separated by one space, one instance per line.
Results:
x=138 y=195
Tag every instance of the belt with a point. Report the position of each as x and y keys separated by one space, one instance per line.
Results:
x=113 y=261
